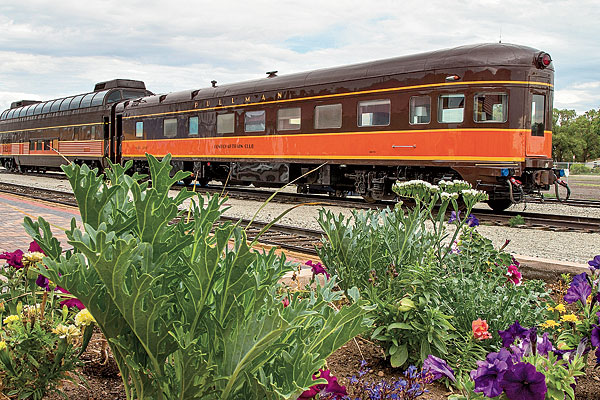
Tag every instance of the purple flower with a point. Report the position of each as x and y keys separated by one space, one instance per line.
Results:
x=438 y=368
x=454 y=216
x=513 y=332
x=472 y=221
x=14 y=259
x=595 y=263
x=580 y=289
x=597 y=354
x=596 y=336
x=332 y=387
x=544 y=345
x=42 y=282
x=489 y=373
x=70 y=301
x=523 y=382
x=317 y=268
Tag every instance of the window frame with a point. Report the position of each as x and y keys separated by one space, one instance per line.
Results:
x=341 y=116
x=504 y=109
x=359 y=114
x=264 y=121
x=441 y=109
x=139 y=129
x=299 y=117
x=221 y=116
x=410 y=109
x=197 y=133
x=170 y=121
x=543 y=123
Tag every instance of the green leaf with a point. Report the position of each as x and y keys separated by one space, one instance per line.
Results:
x=399 y=357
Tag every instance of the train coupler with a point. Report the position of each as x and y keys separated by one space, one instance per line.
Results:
x=560 y=182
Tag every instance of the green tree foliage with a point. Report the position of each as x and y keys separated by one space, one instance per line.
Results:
x=189 y=313
x=575 y=135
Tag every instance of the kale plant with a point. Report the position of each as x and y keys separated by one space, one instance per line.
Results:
x=189 y=313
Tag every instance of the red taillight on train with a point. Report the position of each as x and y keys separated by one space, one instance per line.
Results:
x=543 y=60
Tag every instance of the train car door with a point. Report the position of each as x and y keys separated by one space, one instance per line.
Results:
x=119 y=138
x=106 y=130
x=536 y=138
x=116 y=135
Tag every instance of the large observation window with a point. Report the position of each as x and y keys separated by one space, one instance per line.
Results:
x=99 y=98
x=328 y=116
x=374 y=113
x=87 y=100
x=490 y=107
x=65 y=104
x=30 y=109
x=113 y=97
x=48 y=106
x=451 y=108
x=75 y=102
x=38 y=108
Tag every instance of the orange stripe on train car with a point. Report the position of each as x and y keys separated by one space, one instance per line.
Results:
x=455 y=144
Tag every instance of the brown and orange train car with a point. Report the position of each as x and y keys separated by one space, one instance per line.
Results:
x=480 y=113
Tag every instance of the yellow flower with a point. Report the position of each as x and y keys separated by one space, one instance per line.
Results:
x=569 y=318
x=69 y=332
x=32 y=310
x=2 y=345
x=549 y=307
x=32 y=258
x=84 y=318
x=561 y=308
x=10 y=319
x=550 y=324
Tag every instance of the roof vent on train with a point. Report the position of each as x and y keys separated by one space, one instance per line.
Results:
x=271 y=74
x=22 y=103
x=119 y=83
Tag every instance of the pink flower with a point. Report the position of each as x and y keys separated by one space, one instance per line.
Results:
x=14 y=259
x=35 y=247
x=514 y=275
x=285 y=301
x=317 y=268
x=332 y=387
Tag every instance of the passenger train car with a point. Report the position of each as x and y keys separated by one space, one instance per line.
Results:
x=481 y=113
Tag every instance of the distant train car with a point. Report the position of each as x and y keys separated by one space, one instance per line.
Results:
x=481 y=113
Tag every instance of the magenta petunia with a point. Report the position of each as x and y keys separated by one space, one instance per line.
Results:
x=514 y=275
x=35 y=247
x=523 y=382
x=14 y=259
x=317 y=268
x=70 y=301
x=332 y=387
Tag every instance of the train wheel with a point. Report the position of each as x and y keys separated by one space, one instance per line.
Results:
x=499 y=205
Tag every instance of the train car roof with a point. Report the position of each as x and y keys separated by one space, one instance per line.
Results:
x=497 y=54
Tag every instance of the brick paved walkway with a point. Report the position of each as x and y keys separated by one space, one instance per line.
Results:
x=13 y=210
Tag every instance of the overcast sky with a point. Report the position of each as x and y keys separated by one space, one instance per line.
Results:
x=59 y=48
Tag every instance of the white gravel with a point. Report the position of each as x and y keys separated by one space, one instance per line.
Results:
x=564 y=246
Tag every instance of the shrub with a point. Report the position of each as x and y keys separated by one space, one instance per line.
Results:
x=189 y=313
x=579 y=169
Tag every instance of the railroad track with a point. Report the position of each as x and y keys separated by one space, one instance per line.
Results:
x=550 y=222
x=570 y=202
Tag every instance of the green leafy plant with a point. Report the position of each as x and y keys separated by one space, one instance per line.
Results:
x=189 y=314
x=516 y=221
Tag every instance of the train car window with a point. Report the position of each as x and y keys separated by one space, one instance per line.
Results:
x=56 y=105
x=420 y=110
x=288 y=119
x=75 y=102
x=193 y=126
x=87 y=100
x=10 y=114
x=113 y=97
x=170 y=127
x=254 y=121
x=226 y=123
x=139 y=129
x=490 y=107
x=31 y=145
x=38 y=108
x=23 y=111
x=3 y=116
x=30 y=109
x=46 y=145
x=47 y=106
x=374 y=112
x=98 y=98
x=328 y=116
x=65 y=104
x=538 y=106
x=451 y=108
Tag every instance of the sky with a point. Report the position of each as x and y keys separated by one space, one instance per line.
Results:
x=54 y=49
